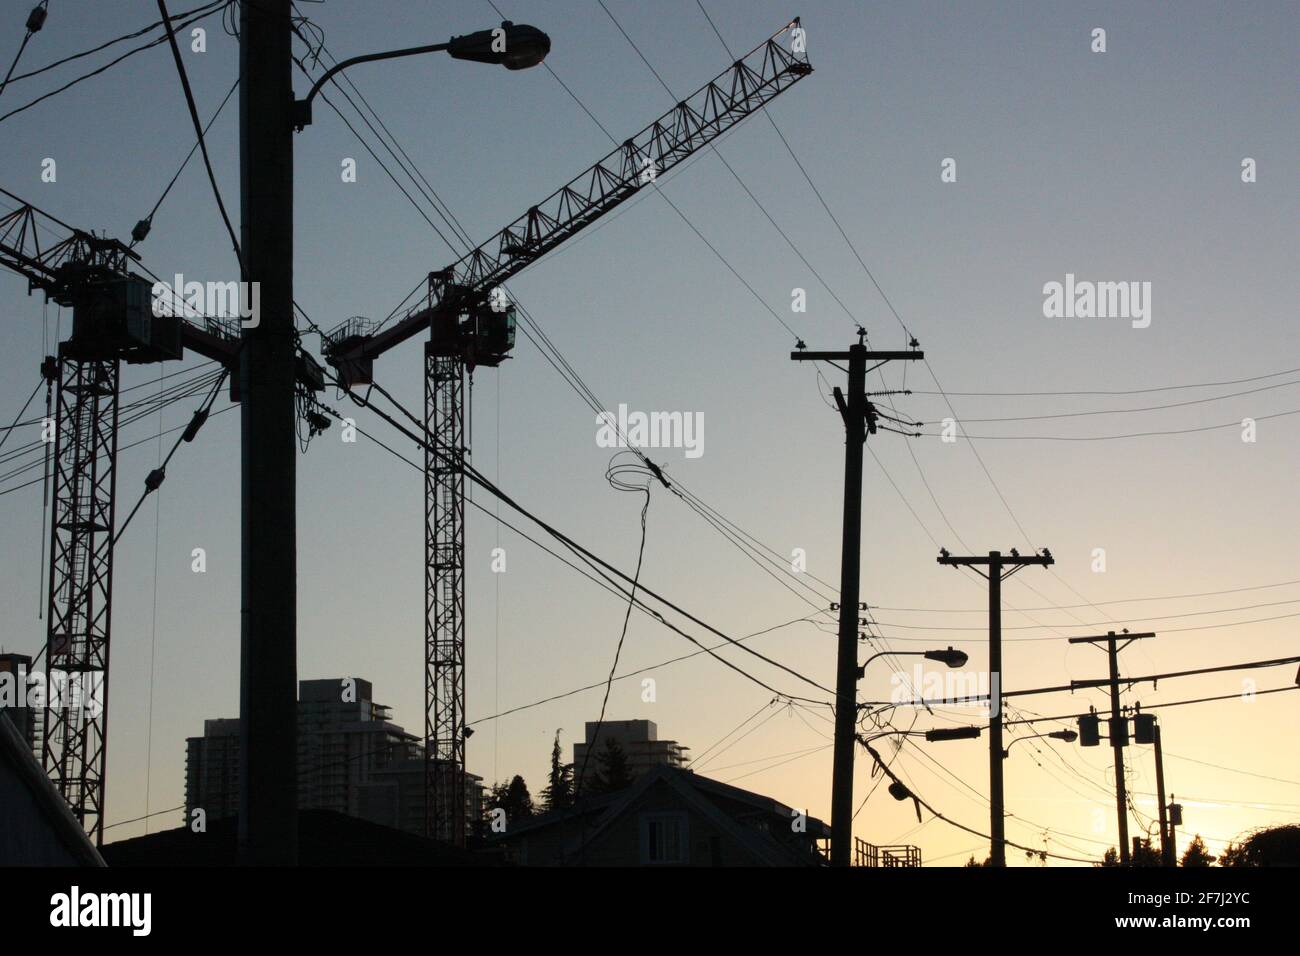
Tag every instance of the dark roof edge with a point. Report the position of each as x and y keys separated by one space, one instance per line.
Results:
x=47 y=797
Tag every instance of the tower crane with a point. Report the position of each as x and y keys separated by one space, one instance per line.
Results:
x=469 y=325
x=113 y=321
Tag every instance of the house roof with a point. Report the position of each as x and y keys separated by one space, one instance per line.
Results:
x=16 y=757
x=699 y=793
x=325 y=838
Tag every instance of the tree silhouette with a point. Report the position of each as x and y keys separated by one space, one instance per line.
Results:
x=513 y=798
x=614 y=771
x=1146 y=855
x=1196 y=854
x=1143 y=855
x=559 y=791
x=1270 y=846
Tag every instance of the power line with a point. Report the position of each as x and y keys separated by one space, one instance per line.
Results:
x=709 y=749
x=782 y=763
x=1148 y=434
x=9 y=430
x=659 y=192
x=1032 y=627
x=198 y=132
x=123 y=448
x=755 y=200
x=549 y=352
x=961 y=826
x=1126 y=391
x=155 y=478
x=592 y=559
x=1125 y=411
x=35 y=20
x=1071 y=687
x=617 y=482
x=482 y=481
x=126 y=36
x=1177 y=703
x=137 y=411
x=1247 y=773
x=211 y=8
x=144 y=225
x=758 y=203
x=1062 y=607
x=907 y=332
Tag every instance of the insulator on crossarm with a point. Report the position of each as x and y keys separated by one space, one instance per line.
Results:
x=195 y=424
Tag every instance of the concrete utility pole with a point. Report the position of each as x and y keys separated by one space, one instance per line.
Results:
x=268 y=731
x=860 y=417
x=1118 y=726
x=1000 y=567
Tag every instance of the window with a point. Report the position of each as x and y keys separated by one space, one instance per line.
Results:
x=663 y=838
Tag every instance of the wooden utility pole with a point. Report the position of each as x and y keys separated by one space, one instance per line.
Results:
x=1000 y=567
x=1118 y=726
x=860 y=419
x=1166 y=844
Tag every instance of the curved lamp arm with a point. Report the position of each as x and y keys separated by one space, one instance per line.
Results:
x=514 y=46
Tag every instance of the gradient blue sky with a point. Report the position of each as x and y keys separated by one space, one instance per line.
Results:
x=1115 y=166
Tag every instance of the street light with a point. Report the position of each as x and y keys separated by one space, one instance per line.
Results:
x=514 y=46
x=949 y=656
x=1069 y=736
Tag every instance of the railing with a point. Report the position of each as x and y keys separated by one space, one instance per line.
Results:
x=868 y=854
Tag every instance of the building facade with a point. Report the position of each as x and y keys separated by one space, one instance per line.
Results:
x=639 y=740
x=352 y=759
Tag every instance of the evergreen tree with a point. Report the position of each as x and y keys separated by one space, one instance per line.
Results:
x=1196 y=854
x=559 y=791
x=513 y=798
x=614 y=771
x=1235 y=854
x=1144 y=854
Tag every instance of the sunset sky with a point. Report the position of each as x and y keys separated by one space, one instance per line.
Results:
x=1122 y=166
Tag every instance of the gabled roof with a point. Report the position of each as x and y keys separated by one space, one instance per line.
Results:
x=695 y=792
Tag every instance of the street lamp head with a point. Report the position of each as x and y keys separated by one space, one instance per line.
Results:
x=1069 y=736
x=949 y=656
x=514 y=46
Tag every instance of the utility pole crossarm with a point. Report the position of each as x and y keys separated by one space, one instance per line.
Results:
x=743 y=88
x=1102 y=638
x=980 y=559
x=804 y=355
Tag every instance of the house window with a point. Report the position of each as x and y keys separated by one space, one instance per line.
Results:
x=663 y=838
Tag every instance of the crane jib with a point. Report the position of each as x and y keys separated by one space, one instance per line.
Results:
x=699 y=119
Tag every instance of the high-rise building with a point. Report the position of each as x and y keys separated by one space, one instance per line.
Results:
x=639 y=740
x=351 y=759
x=15 y=671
